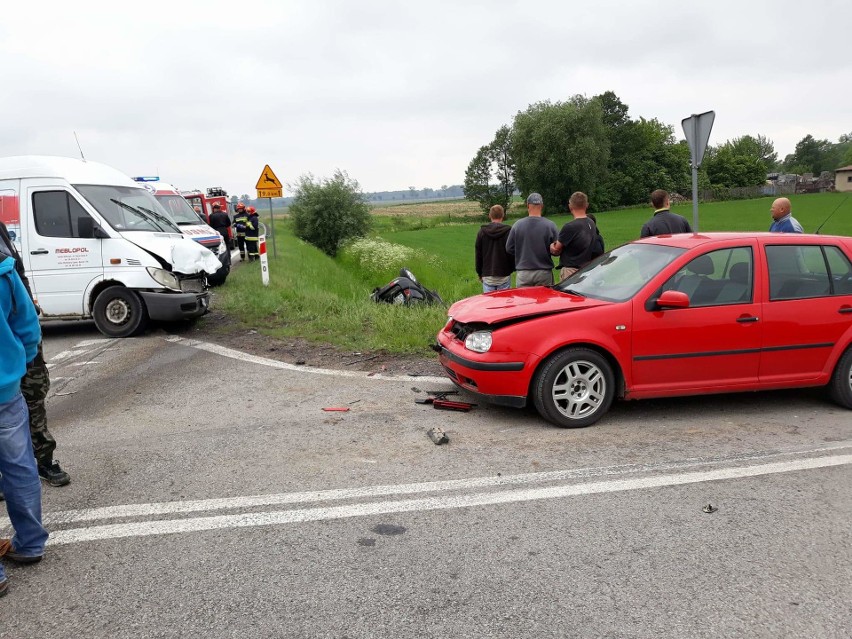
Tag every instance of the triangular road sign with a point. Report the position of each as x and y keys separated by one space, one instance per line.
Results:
x=268 y=180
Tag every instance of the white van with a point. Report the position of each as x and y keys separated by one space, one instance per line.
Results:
x=191 y=224
x=97 y=245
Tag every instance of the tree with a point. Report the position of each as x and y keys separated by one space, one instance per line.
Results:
x=743 y=161
x=477 y=180
x=494 y=160
x=811 y=156
x=330 y=211
x=560 y=148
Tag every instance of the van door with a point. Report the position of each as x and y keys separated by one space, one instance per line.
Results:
x=63 y=264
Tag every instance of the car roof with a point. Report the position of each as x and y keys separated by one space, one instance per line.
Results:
x=692 y=240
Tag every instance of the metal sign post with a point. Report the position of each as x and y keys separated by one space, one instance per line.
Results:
x=264 y=260
x=697 y=129
x=269 y=186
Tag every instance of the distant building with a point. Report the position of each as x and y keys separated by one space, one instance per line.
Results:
x=843 y=179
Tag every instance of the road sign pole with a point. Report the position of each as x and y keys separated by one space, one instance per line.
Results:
x=697 y=129
x=695 y=179
x=272 y=230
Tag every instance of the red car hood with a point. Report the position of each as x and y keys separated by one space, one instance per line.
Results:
x=500 y=306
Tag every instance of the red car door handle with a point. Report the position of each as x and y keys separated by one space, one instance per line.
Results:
x=845 y=309
x=746 y=320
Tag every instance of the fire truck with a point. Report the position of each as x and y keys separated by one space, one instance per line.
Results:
x=205 y=201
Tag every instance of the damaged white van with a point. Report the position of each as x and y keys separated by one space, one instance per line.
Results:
x=97 y=245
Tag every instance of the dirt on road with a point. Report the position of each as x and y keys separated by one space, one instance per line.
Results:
x=219 y=328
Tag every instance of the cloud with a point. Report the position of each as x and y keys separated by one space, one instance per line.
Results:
x=395 y=93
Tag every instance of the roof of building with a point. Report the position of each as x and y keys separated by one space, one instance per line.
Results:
x=844 y=168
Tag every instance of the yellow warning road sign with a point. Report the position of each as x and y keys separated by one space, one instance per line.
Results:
x=268 y=180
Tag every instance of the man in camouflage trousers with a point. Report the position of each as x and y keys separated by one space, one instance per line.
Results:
x=34 y=387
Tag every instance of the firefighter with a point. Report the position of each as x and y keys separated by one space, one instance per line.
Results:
x=221 y=223
x=252 y=233
x=240 y=221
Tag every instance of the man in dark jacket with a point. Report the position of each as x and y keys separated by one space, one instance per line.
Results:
x=494 y=265
x=221 y=223
x=664 y=221
x=34 y=386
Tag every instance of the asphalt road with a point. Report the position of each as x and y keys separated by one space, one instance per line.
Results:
x=213 y=497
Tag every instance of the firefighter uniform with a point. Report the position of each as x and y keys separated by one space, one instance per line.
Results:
x=240 y=221
x=252 y=233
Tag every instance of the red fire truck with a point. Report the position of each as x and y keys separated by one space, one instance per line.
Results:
x=206 y=201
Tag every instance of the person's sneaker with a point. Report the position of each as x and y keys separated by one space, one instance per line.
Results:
x=53 y=474
x=4 y=587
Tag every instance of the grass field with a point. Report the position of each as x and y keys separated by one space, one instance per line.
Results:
x=327 y=300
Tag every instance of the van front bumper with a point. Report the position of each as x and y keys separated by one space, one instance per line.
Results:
x=169 y=307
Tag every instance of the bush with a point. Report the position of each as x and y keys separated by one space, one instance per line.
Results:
x=328 y=212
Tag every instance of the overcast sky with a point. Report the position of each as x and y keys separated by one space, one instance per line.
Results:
x=398 y=94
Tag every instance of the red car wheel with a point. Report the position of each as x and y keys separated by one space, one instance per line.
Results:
x=574 y=388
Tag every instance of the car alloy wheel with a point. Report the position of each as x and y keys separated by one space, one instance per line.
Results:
x=574 y=388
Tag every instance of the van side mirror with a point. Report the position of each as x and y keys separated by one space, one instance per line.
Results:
x=87 y=228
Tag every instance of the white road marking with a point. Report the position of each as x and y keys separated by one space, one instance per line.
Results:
x=62 y=355
x=86 y=363
x=142 y=529
x=94 y=342
x=224 y=351
x=367 y=492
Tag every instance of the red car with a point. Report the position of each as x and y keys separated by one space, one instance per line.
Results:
x=659 y=317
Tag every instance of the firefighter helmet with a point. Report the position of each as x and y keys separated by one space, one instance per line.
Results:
x=251 y=209
x=240 y=206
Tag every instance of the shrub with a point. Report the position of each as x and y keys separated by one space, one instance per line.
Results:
x=328 y=212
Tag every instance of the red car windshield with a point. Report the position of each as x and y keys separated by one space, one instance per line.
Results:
x=618 y=275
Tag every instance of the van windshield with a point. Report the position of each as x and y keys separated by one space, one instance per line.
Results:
x=128 y=208
x=179 y=209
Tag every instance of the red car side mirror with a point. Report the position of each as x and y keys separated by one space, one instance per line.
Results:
x=673 y=299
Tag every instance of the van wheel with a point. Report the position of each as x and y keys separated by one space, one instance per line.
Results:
x=118 y=312
x=840 y=386
x=574 y=388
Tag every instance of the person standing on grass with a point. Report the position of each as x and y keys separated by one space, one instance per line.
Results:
x=20 y=336
x=529 y=242
x=664 y=221
x=576 y=239
x=782 y=217
x=494 y=265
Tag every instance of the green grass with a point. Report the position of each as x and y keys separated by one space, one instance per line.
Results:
x=327 y=300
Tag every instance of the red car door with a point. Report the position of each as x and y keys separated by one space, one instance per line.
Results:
x=714 y=344
x=809 y=309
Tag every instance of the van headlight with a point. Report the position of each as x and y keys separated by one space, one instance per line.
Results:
x=479 y=341
x=164 y=278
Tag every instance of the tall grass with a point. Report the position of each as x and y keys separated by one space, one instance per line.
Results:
x=327 y=300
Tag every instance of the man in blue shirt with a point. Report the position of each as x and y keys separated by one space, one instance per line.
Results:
x=782 y=218
x=19 y=339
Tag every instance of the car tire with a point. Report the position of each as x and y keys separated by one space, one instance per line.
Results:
x=119 y=312
x=574 y=388
x=840 y=386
